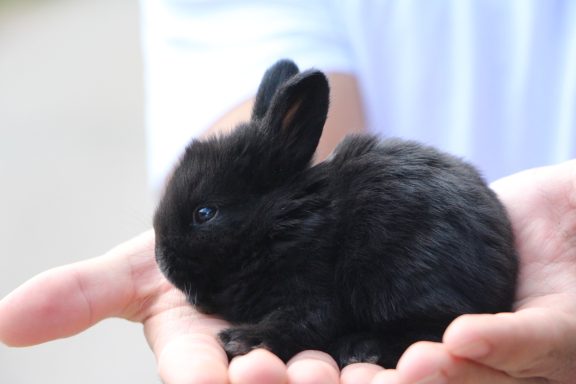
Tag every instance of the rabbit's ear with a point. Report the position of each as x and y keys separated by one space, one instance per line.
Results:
x=296 y=117
x=274 y=77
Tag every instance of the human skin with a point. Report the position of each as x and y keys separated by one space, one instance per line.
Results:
x=535 y=344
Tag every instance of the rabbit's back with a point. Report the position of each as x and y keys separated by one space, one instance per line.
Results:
x=422 y=235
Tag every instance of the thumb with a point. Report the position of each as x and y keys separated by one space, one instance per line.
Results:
x=67 y=300
x=534 y=342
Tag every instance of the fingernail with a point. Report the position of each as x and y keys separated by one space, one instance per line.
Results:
x=474 y=350
x=437 y=378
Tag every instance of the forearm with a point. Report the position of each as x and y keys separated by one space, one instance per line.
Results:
x=346 y=114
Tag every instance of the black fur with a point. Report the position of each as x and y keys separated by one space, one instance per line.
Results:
x=380 y=246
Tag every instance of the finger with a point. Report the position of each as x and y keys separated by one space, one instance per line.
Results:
x=67 y=300
x=431 y=363
x=388 y=376
x=310 y=367
x=534 y=342
x=257 y=367
x=192 y=359
x=359 y=373
x=185 y=343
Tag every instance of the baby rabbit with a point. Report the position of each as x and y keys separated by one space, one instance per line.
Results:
x=382 y=245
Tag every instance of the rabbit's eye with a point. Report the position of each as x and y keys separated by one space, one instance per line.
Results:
x=204 y=214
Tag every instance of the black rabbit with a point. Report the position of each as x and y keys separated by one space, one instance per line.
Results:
x=382 y=245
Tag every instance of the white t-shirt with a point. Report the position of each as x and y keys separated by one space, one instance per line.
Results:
x=493 y=81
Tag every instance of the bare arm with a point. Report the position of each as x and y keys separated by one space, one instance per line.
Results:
x=345 y=116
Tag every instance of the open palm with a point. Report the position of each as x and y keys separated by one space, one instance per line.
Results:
x=537 y=342
x=126 y=283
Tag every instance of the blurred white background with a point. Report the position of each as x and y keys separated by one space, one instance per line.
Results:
x=72 y=167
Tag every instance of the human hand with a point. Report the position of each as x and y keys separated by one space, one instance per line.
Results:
x=536 y=343
x=126 y=283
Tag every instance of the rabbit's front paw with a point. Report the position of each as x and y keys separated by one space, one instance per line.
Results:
x=241 y=340
x=355 y=349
